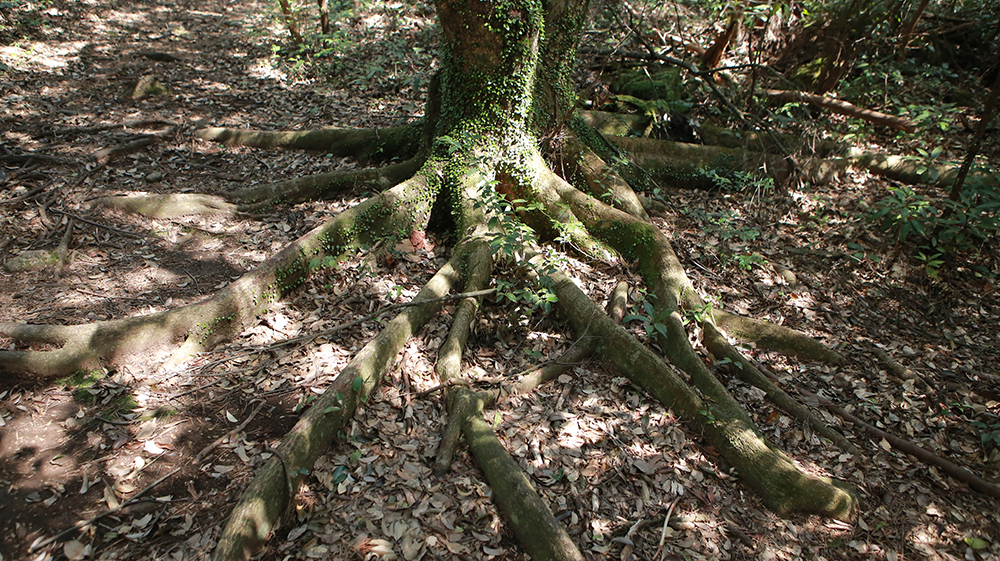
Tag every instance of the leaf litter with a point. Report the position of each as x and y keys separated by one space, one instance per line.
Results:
x=612 y=464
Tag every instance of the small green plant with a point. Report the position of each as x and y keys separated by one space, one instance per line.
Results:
x=747 y=261
x=946 y=226
x=931 y=261
x=740 y=182
x=909 y=211
x=534 y=298
x=709 y=416
x=651 y=320
x=698 y=314
x=985 y=423
x=928 y=169
x=989 y=434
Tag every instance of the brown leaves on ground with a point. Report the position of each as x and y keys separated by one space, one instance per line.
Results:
x=610 y=462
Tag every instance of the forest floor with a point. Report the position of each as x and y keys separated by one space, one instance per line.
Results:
x=610 y=461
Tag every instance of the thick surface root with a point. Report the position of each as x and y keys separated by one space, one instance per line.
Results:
x=205 y=324
x=396 y=142
x=262 y=503
x=782 y=486
x=169 y=206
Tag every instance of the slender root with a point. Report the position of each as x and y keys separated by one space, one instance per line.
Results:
x=461 y=401
x=747 y=371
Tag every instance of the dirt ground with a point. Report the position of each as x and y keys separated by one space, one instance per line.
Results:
x=611 y=462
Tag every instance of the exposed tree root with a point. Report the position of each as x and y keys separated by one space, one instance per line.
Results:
x=727 y=150
x=690 y=165
x=536 y=528
x=908 y=447
x=600 y=180
x=262 y=503
x=779 y=483
x=207 y=323
x=322 y=185
x=385 y=144
x=462 y=402
x=169 y=206
x=581 y=350
x=747 y=371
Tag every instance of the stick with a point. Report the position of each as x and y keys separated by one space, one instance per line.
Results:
x=135 y=498
x=97 y=225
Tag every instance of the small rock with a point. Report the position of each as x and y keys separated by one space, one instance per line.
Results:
x=154 y=177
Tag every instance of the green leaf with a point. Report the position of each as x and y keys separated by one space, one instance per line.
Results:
x=339 y=474
x=359 y=383
x=977 y=543
x=330 y=409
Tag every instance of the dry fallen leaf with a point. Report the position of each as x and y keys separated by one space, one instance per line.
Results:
x=74 y=550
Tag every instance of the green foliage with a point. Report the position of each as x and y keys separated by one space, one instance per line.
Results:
x=748 y=260
x=538 y=297
x=652 y=321
x=740 y=182
x=906 y=211
x=944 y=225
x=931 y=261
x=985 y=423
x=989 y=433
x=699 y=314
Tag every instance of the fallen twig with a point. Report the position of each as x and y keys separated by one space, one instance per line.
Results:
x=97 y=224
x=842 y=107
x=136 y=498
x=926 y=456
